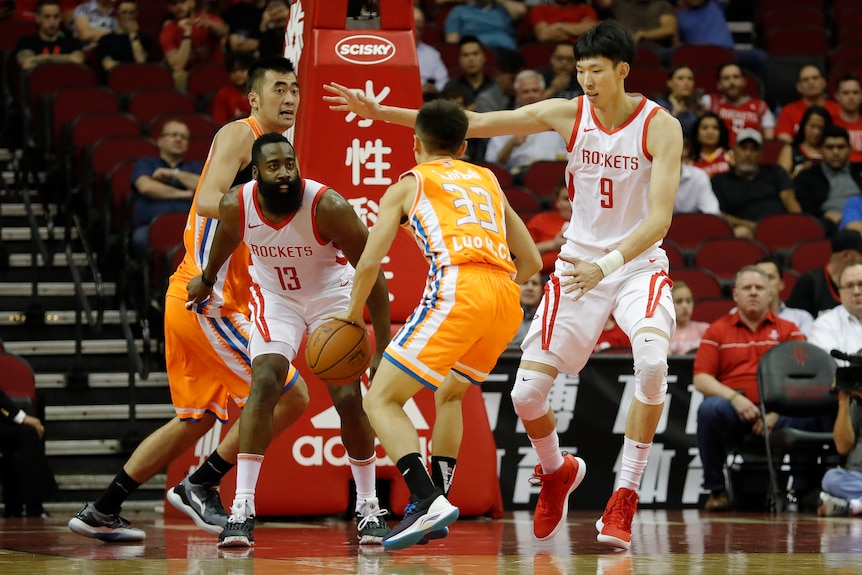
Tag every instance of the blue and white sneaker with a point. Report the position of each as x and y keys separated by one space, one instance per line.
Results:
x=90 y=522
x=421 y=518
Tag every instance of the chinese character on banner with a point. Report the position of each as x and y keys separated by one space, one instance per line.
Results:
x=366 y=209
x=371 y=156
x=369 y=93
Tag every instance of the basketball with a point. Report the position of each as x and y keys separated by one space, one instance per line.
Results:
x=338 y=352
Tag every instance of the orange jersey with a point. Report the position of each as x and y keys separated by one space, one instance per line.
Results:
x=231 y=291
x=458 y=217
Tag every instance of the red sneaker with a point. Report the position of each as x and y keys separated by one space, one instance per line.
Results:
x=615 y=524
x=553 y=504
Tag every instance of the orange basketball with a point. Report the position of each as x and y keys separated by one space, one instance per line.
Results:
x=338 y=352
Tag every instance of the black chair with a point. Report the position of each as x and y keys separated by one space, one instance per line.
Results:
x=795 y=378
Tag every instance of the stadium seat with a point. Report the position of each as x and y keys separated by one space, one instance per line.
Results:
x=847 y=26
x=810 y=254
x=104 y=156
x=542 y=177
x=687 y=231
x=502 y=174
x=791 y=16
x=166 y=231
x=85 y=131
x=700 y=55
x=71 y=102
x=703 y=283
x=771 y=151
x=725 y=256
x=199 y=148
x=781 y=232
x=794 y=41
x=148 y=103
x=537 y=54
x=128 y=78
x=649 y=81
x=48 y=79
x=711 y=308
x=205 y=80
x=675 y=257
x=646 y=57
x=522 y=201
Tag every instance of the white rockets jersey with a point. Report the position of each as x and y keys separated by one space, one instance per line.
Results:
x=608 y=176
x=290 y=259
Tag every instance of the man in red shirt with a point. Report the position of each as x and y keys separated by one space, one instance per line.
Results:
x=189 y=39
x=725 y=372
x=848 y=93
x=565 y=20
x=231 y=101
x=811 y=85
x=735 y=107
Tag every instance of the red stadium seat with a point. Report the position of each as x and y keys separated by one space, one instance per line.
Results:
x=783 y=231
x=537 y=54
x=702 y=283
x=700 y=55
x=649 y=81
x=166 y=231
x=810 y=254
x=792 y=16
x=675 y=257
x=725 y=256
x=522 y=201
x=70 y=103
x=502 y=174
x=711 y=308
x=148 y=103
x=771 y=151
x=18 y=377
x=688 y=230
x=199 y=148
x=646 y=57
x=542 y=177
x=803 y=40
x=128 y=78
x=206 y=79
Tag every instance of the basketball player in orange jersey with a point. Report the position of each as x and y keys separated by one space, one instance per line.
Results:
x=468 y=314
x=301 y=235
x=206 y=352
x=622 y=174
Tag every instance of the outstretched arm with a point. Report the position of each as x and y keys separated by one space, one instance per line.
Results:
x=231 y=151
x=227 y=237
x=338 y=222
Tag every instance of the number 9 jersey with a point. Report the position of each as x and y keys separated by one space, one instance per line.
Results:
x=458 y=216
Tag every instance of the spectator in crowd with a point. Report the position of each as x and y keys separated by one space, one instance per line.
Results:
x=825 y=189
x=244 y=19
x=806 y=149
x=709 y=144
x=273 y=25
x=471 y=61
x=501 y=96
x=531 y=294
x=488 y=20
x=50 y=44
x=694 y=194
x=29 y=480
x=92 y=20
x=703 y=22
x=561 y=79
x=612 y=337
x=751 y=190
x=517 y=153
x=848 y=94
x=547 y=228
x=231 y=101
x=735 y=107
x=681 y=98
x=817 y=290
x=725 y=372
x=774 y=270
x=811 y=85
x=163 y=184
x=562 y=21
x=126 y=44
x=189 y=39
x=688 y=334
x=432 y=71
x=652 y=22
x=841 y=328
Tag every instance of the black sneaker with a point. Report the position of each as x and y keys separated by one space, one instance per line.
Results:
x=420 y=518
x=202 y=504
x=237 y=533
x=371 y=523
x=91 y=523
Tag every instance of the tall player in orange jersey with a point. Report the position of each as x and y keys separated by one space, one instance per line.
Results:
x=468 y=314
x=206 y=352
x=622 y=174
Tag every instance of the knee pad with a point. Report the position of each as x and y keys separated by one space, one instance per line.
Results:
x=530 y=394
x=650 y=357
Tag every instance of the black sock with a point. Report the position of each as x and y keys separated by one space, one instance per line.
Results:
x=111 y=500
x=416 y=476
x=442 y=469
x=212 y=471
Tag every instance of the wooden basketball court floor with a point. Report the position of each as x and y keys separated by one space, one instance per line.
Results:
x=664 y=542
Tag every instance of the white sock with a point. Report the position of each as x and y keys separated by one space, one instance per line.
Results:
x=855 y=506
x=365 y=477
x=247 y=471
x=635 y=456
x=548 y=450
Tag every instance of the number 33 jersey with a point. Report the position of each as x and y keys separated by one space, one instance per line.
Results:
x=290 y=258
x=608 y=176
x=458 y=216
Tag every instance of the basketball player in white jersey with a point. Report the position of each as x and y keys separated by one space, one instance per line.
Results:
x=300 y=235
x=622 y=174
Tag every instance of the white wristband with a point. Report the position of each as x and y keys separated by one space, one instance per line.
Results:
x=19 y=417
x=611 y=262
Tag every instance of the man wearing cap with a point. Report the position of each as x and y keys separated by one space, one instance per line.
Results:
x=817 y=290
x=750 y=191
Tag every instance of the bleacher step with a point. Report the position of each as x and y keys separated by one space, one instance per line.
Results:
x=67 y=347
x=65 y=317
x=59 y=260
x=23 y=234
x=45 y=381
x=163 y=411
x=53 y=289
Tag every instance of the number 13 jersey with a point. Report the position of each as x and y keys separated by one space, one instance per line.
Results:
x=608 y=176
x=290 y=258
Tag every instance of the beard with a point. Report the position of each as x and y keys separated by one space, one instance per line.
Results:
x=278 y=202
